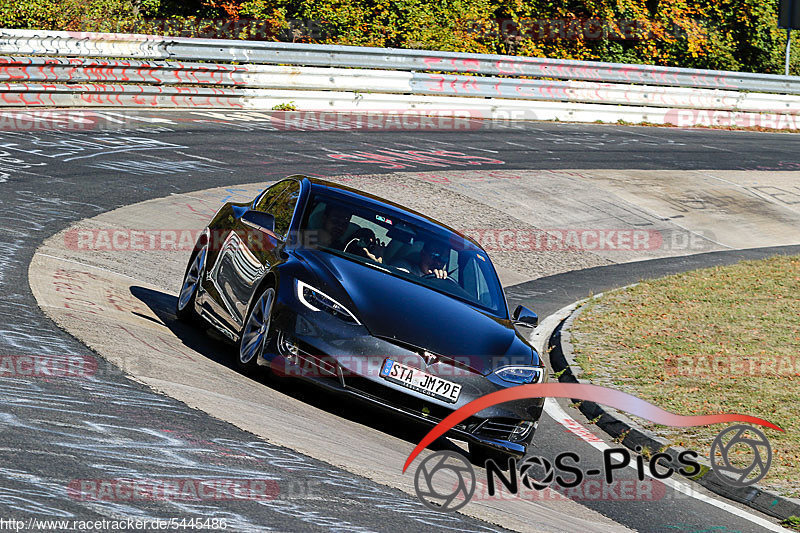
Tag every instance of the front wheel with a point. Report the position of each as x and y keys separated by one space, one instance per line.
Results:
x=256 y=334
x=184 y=310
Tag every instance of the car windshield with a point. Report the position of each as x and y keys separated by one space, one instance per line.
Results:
x=405 y=247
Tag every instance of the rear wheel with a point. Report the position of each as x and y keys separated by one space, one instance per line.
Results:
x=184 y=310
x=255 y=335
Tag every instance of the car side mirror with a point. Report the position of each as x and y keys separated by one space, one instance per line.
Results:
x=525 y=317
x=259 y=219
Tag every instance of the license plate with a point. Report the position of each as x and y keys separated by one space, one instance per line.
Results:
x=415 y=379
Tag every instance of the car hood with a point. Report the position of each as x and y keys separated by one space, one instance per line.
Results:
x=409 y=314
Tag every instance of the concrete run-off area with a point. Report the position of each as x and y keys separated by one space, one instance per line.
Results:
x=111 y=282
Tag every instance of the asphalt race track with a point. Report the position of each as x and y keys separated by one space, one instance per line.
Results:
x=59 y=433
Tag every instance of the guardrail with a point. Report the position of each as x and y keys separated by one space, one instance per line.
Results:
x=184 y=72
x=108 y=72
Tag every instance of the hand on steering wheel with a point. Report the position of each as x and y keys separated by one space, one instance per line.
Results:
x=439 y=274
x=356 y=247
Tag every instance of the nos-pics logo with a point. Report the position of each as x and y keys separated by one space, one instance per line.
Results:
x=446 y=481
x=740 y=455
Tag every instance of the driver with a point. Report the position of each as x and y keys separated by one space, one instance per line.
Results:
x=432 y=260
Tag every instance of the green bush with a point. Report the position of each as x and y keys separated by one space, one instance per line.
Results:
x=61 y=15
x=715 y=34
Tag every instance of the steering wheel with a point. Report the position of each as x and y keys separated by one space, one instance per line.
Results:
x=358 y=249
x=432 y=275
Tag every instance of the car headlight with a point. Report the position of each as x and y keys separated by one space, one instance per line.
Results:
x=316 y=300
x=520 y=375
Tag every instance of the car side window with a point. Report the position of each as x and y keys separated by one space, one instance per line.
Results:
x=267 y=198
x=283 y=206
x=474 y=281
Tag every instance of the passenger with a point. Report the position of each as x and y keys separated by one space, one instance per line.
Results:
x=335 y=221
x=364 y=243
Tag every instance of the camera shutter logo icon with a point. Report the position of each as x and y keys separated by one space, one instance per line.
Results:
x=740 y=455
x=531 y=464
x=445 y=481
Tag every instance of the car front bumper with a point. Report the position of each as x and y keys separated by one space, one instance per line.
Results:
x=345 y=358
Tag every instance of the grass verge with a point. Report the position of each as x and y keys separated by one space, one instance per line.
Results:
x=793 y=522
x=723 y=339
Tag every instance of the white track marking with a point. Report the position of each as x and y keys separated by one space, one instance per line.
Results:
x=483 y=149
x=554 y=410
x=201 y=158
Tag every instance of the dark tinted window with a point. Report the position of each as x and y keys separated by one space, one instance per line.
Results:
x=267 y=198
x=280 y=201
x=404 y=247
x=283 y=208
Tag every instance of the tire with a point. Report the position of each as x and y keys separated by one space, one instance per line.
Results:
x=479 y=454
x=255 y=335
x=184 y=309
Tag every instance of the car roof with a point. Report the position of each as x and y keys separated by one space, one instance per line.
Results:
x=343 y=190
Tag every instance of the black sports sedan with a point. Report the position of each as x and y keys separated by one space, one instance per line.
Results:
x=367 y=298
